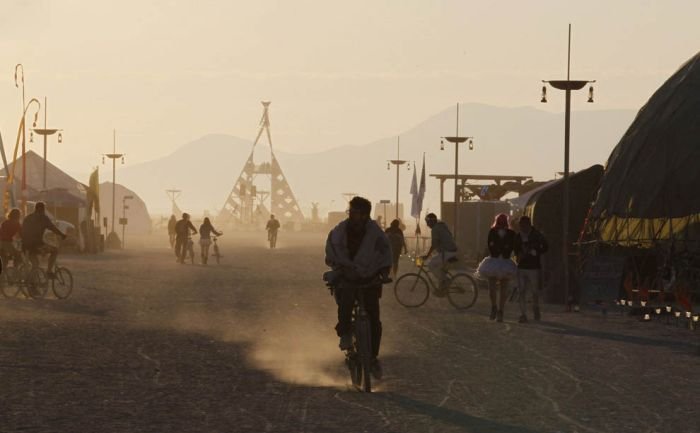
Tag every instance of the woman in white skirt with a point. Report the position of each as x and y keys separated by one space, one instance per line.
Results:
x=498 y=268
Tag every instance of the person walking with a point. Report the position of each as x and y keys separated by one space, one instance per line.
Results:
x=529 y=245
x=398 y=244
x=171 y=230
x=205 y=231
x=183 y=230
x=272 y=228
x=498 y=268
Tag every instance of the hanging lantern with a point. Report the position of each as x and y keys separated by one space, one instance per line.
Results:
x=122 y=160
x=60 y=138
x=442 y=145
x=388 y=166
x=471 y=145
x=31 y=136
x=544 y=95
x=590 y=94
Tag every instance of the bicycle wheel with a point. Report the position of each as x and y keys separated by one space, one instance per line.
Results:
x=62 y=283
x=411 y=290
x=363 y=339
x=36 y=283
x=462 y=291
x=9 y=282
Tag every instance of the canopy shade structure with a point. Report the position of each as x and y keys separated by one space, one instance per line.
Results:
x=650 y=189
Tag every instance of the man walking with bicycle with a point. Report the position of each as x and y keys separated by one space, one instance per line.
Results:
x=359 y=251
x=444 y=245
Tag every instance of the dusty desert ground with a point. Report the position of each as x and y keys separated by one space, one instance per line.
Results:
x=147 y=345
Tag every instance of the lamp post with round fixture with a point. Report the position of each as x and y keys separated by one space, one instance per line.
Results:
x=397 y=162
x=567 y=86
x=113 y=238
x=45 y=132
x=457 y=140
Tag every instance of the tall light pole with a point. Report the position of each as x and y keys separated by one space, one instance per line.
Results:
x=567 y=86
x=397 y=162
x=45 y=132
x=457 y=140
x=114 y=156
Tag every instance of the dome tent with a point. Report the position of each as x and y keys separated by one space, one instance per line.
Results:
x=649 y=191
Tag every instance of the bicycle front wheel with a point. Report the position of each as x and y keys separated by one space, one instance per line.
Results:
x=62 y=283
x=462 y=291
x=411 y=290
x=363 y=341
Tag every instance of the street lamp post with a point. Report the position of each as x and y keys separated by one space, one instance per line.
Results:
x=457 y=140
x=114 y=156
x=45 y=132
x=567 y=86
x=124 y=221
x=397 y=162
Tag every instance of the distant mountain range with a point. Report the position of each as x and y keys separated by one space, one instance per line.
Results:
x=507 y=141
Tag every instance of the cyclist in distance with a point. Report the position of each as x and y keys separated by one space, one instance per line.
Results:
x=359 y=250
x=443 y=244
x=35 y=224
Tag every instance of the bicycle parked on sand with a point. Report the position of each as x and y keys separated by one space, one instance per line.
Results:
x=413 y=289
x=358 y=358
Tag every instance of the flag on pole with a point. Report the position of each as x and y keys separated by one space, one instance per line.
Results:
x=415 y=211
x=421 y=188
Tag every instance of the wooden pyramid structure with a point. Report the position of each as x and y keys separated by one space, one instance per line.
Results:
x=246 y=204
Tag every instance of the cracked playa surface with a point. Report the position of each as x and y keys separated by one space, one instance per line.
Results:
x=146 y=345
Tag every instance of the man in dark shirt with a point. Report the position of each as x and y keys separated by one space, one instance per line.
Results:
x=183 y=230
x=35 y=224
x=272 y=227
x=359 y=250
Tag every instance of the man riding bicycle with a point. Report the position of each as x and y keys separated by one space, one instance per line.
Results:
x=35 y=224
x=442 y=243
x=359 y=251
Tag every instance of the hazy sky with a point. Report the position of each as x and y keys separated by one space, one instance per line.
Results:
x=166 y=72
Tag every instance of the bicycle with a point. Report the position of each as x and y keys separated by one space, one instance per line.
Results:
x=33 y=281
x=27 y=279
x=358 y=358
x=413 y=289
x=215 y=251
x=189 y=249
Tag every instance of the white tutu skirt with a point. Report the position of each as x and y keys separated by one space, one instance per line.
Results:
x=497 y=267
